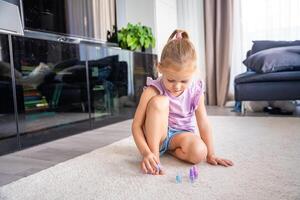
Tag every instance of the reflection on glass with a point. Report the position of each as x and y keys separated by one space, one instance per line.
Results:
x=53 y=81
x=143 y=67
x=87 y=18
x=108 y=77
x=7 y=118
x=117 y=78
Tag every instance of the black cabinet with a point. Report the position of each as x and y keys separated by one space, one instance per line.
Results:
x=65 y=88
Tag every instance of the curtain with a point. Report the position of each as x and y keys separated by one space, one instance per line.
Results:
x=237 y=48
x=75 y=17
x=90 y=18
x=104 y=17
x=273 y=20
x=190 y=18
x=218 y=20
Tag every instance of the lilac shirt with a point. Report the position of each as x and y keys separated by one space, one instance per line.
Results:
x=181 y=108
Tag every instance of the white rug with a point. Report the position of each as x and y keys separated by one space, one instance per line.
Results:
x=266 y=152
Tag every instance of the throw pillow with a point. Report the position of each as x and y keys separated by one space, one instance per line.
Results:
x=259 y=45
x=275 y=59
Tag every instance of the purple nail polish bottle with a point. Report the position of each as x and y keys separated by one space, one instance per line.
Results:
x=192 y=178
x=195 y=171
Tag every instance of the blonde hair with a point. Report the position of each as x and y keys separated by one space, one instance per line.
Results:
x=179 y=50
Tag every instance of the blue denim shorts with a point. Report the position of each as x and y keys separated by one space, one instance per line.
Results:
x=171 y=133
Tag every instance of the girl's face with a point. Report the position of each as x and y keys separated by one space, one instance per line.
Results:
x=176 y=81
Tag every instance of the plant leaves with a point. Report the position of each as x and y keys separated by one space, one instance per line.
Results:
x=136 y=36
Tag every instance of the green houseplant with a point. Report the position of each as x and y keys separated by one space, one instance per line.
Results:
x=136 y=37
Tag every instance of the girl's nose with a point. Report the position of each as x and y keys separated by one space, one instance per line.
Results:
x=177 y=86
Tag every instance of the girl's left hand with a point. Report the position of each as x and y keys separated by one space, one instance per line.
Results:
x=213 y=160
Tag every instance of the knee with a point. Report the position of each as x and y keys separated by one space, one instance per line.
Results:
x=198 y=152
x=159 y=102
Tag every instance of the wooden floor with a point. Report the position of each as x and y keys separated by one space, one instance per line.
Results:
x=24 y=163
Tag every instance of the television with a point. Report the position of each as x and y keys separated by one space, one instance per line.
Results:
x=83 y=18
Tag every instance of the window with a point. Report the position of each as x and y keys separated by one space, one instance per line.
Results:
x=269 y=20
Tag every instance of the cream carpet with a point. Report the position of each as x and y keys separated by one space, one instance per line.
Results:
x=266 y=152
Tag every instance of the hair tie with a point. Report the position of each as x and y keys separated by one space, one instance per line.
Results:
x=177 y=36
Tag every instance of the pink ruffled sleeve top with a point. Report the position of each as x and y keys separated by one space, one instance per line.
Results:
x=181 y=108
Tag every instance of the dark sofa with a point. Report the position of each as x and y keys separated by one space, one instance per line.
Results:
x=271 y=74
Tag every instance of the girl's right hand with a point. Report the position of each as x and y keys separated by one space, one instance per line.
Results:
x=149 y=164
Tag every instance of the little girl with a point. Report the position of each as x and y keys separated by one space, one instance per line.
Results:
x=170 y=107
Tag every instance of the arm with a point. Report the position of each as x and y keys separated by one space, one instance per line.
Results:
x=150 y=161
x=206 y=135
x=204 y=126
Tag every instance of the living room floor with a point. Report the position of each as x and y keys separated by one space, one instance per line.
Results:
x=32 y=160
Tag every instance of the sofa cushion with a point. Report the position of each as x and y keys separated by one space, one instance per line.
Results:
x=259 y=45
x=252 y=77
x=275 y=59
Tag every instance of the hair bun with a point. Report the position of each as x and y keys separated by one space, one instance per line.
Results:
x=179 y=49
x=178 y=34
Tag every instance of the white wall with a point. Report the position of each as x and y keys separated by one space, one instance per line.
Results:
x=160 y=15
x=135 y=11
x=121 y=13
x=163 y=16
x=190 y=18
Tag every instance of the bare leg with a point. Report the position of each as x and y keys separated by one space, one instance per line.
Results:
x=188 y=147
x=156 y=122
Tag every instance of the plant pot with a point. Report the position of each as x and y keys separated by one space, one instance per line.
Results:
x=148 y=50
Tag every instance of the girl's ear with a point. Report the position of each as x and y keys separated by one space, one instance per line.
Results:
x=158 y=67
